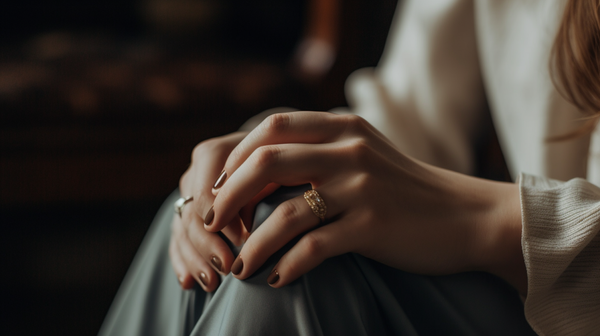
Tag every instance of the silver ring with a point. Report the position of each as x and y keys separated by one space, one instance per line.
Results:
x=180 y=203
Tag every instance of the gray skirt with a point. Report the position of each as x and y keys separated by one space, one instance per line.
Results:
x=345 y=295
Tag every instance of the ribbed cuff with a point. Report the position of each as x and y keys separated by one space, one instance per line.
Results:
x=561 y=246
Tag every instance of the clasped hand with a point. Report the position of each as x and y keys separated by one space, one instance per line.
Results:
x=380 y=203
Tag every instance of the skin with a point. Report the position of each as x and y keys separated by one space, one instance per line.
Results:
x=384 y=205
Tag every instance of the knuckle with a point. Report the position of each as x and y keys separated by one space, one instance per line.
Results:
x=359 y=150
x=198 y=151
x=288 y=212
x=359 y=145
x=278 y=123
x=312 y=244
x=266 y=156
x=362 y=181
x=355 y=123
x=204 y=148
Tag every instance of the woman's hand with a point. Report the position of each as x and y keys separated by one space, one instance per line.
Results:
x=380 y=203
x=197 y=255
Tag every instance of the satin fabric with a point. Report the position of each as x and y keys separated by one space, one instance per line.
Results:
x=345 y=295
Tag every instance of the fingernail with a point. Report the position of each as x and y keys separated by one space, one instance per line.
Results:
x=273 y=277
x=209 y=216
x=180 y=280
x=203 y=279
x=220 y=180
x=237 y=266
x=216 y=262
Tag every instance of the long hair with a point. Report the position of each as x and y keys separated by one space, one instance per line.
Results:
x=575 y=61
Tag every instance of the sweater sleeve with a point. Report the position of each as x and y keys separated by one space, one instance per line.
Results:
x=561 y=246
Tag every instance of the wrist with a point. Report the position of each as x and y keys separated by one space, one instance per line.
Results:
x=488 y=213
x=498 y=240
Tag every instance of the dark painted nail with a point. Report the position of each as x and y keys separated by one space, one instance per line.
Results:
x=237 y=266
x=221 y=180
x=204 y=279
x=216 y=262
x=273 y=277
x=209 y=216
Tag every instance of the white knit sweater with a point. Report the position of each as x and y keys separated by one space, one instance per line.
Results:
x=561 y=245
x=447 y=63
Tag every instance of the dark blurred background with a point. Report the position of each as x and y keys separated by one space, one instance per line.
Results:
x=101 y=103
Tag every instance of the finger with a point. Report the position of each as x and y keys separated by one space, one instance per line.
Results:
x=210 y=247
x=311 y=250
x=290 y=219
x=287 y=164
x=208 y=159
x=236 y=231
x=297 y=127
x=193 y=261
x=247 y=211
x=186 y=281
